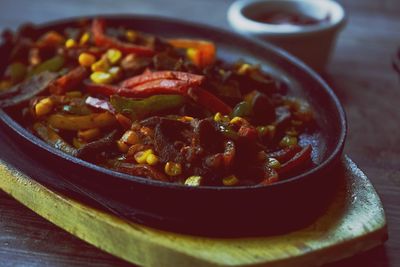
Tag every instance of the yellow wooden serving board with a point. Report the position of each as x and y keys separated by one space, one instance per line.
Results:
x=354 y=222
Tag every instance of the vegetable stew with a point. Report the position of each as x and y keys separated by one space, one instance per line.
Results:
x=160 y=108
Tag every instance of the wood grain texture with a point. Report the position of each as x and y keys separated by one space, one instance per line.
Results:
x=354 y=222
x=360 y=73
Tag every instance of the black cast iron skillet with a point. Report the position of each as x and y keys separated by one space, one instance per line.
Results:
x=238 y=211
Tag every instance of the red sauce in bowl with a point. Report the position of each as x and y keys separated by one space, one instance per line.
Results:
x=287 y=18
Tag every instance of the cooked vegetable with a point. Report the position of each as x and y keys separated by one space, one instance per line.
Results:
x=101 y=77
x=101 y=39
x=208 y=100
x=163 y=109
x=86 y=59
x=146 y=77
x=71 y=122
x=16 y=71
x=44 y=106
x=51 y=137
x=27 y=89
x=53 y=64
x=200 y=52
x=68 y=81
x=93 y=149
x=137 y=109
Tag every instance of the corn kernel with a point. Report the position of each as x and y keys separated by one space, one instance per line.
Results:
x=141 y=156
x=130 y=137
x=152 y=159
x=113 y=55
x=192 y=53
x=131 y=35
x=89 y=134
x=70 y=43
x=73 y=94
x=172 y=168
x=86 y=59
x=100 y=65
x=84 y=38
x=230 y=180
x=288 y=141
x=101 y=77
x=273 y=163
x=44 y=107
x=239 y=121
x=243 y=69
x=218 y=117
x=193 y=180
x=122 y=146
x=115 y=72
x=186 y=118
x=195 y=56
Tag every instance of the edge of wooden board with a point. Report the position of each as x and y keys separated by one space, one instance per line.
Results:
x=355 y=222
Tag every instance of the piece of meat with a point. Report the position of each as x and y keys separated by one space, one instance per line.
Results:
x=142 y=170
x=28 y=89
x=166 y=133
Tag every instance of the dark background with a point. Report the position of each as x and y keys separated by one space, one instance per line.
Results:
x=360 y=73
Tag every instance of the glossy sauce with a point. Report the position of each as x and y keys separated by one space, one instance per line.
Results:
x=287 y=18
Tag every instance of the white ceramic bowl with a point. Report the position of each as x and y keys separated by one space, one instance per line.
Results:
x=311 y=43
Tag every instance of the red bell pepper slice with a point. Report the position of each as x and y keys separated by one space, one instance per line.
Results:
x=199 y=95
x=109 y=90
x=161 y=86
x=103 y=40
x=208 y=100
x=68 y=81
x=147 y=76
x=203 y=51
x=143 y=90
x=299 y=160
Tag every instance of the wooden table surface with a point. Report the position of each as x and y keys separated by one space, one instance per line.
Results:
x=360 y=73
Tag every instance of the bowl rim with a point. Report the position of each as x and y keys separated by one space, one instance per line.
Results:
x=239 y=21
x=30 y=137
